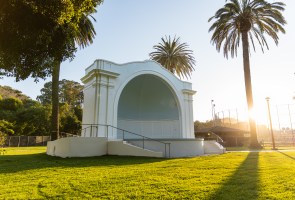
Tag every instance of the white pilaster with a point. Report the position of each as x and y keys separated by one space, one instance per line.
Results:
x=102 y=83
x=188 y=114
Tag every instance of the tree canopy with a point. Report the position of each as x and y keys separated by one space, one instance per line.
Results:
x=29 y=117
x=34 y=34
x=174 y=56
x=6 y=92
x=70 y=92
x=256 y=17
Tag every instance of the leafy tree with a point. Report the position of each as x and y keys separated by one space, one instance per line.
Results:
x=24 y=39
x=244 y=21
x=33 y=120
x=78 y=112
x=5 y=129
x=70 y=99
x=8 y=109
x=30 y=103
x=69 y=121
x=11 y=104
x=70 y=92
x=30 y=117
x=43 y=34
x=7 y=92
x=201 y=125
x=46 y=94
x=27 y=117
x=71 y=124
x=174 y=56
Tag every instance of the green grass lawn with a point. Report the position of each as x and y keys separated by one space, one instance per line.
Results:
x=28 y=173
x=268 y=147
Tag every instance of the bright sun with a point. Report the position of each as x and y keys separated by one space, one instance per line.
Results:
x=258 y=116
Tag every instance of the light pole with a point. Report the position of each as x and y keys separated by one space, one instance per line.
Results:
x=213 y=111
x=270 y=125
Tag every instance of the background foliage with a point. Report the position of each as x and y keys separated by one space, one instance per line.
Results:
x=20 y=115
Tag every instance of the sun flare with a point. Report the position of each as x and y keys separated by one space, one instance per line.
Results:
x=258 y=116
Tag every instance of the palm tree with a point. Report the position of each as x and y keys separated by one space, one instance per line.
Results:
x=174 y=56
x=82 y=36
x=244 y=20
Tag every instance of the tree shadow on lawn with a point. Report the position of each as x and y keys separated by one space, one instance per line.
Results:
x=244 y=183
x=16 y=163
x=286 y=155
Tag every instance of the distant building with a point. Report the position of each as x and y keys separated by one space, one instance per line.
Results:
x=230 y=136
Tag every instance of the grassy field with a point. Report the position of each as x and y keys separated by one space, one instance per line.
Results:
x=268 y=147
x=28 y=173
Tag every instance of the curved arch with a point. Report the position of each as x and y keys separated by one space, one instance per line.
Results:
x=153 y=117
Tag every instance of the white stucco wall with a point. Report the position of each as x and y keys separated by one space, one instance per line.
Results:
x=121 y=148
x=104 y=82
x=77 y=147
x=212 y=147
x=95 y=146
x=178 y=147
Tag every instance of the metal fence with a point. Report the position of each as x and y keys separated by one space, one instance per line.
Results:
x=24 y=141
x=283 y=122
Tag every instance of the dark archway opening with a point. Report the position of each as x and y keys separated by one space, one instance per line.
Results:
x=148 y=107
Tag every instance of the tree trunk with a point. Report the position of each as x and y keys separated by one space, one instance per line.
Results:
x=55 y=101
x=248 y=86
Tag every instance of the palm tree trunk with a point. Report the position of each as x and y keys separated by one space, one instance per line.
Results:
x=55 y=101
x=248 y=86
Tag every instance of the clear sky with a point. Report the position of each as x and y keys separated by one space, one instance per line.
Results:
x=127 y=30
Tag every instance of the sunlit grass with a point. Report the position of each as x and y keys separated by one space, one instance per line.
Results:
x=28 y=173
x=266 y=147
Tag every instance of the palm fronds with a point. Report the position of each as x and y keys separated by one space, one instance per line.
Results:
x=174 y=56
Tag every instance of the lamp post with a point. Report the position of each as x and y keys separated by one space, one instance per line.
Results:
x=270 y=125
x=213 y=111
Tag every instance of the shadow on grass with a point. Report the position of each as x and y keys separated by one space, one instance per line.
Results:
x=16 y=163
x=286 y=155
x=243 y=184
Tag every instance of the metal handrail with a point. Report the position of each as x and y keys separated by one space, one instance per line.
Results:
x=68 y=134
x=126 y=131
x=217 y=137
x=91 y=126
